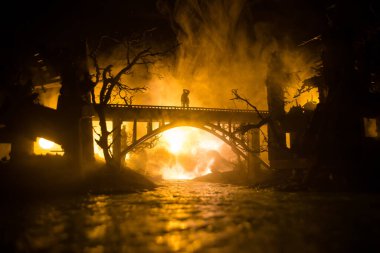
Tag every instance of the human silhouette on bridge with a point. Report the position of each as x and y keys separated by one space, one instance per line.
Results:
x=185 y=98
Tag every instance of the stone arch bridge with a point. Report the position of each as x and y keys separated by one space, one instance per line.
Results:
x=220 y=122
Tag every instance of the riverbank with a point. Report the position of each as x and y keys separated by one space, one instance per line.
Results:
x=262 y=178
x=46 y=176
x=299 y=180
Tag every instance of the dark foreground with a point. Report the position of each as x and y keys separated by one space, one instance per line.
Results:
x=195 y=217
x=38 y=177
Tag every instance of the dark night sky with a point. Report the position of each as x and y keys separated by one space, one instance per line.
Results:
x=39 y=20
x=69 y=17
x=27 y=24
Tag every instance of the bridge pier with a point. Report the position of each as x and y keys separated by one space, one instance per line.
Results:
x=116 y=136
x=86 y=140
x=149 y=127
x=134 y=133
x=253 y=162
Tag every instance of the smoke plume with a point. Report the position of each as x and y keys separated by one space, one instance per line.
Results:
x=221 y=48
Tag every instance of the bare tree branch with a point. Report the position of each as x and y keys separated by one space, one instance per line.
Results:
x=304 y=88
x=245 y=128
x=113 y=89
x=316 y=38
x=238 y=97
x=96 y=132
x=148 y=144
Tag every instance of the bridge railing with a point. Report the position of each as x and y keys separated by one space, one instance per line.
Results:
x=183 y=108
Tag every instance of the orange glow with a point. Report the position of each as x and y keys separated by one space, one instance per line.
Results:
x=182 y=153
x=190 y=141
x=45 y=144
x=177 y=172
x=305 y=97
x=175 y=139
x=97 y=150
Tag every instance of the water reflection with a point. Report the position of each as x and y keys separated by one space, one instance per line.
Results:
x=196 y=217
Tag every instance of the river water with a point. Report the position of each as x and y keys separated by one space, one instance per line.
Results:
x=186 y=216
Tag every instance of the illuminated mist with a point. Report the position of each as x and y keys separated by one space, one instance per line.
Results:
x=183 y=153
x=220 y=49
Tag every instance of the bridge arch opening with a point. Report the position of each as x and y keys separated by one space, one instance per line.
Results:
x=184 y=152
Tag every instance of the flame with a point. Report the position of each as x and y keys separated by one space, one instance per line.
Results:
x=188 y=140
x=309 y=96
x=193 y=142
x=177 y=172
x=175 y=139
x=45 y=144
x=43 y=147
x=185 y=154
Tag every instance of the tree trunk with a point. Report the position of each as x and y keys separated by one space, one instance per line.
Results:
x=338 y=123
x=103 y=142
x=275 y=97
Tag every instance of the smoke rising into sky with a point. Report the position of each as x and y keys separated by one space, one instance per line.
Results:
x=220 y=49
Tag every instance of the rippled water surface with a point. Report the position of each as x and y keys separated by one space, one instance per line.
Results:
x=196 y=217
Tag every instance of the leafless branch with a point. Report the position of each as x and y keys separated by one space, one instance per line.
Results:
x=265 y=140
x=316 y=38
x=244 y=128
x=115 y=128
x=151 y=143
x=96 y=132
x=238 y=97
x=304 y=88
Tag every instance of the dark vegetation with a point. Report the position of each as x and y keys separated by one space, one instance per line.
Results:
x=331 y=138
x=53 y=176
x=48 y=42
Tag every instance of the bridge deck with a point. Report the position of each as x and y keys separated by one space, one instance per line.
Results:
x=146 y=113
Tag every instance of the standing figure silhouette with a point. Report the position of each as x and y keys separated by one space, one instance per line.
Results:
x=185 y=98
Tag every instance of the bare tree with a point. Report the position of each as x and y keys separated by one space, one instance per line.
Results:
x=263 y=121
x=112 y=85
x=244 y=128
